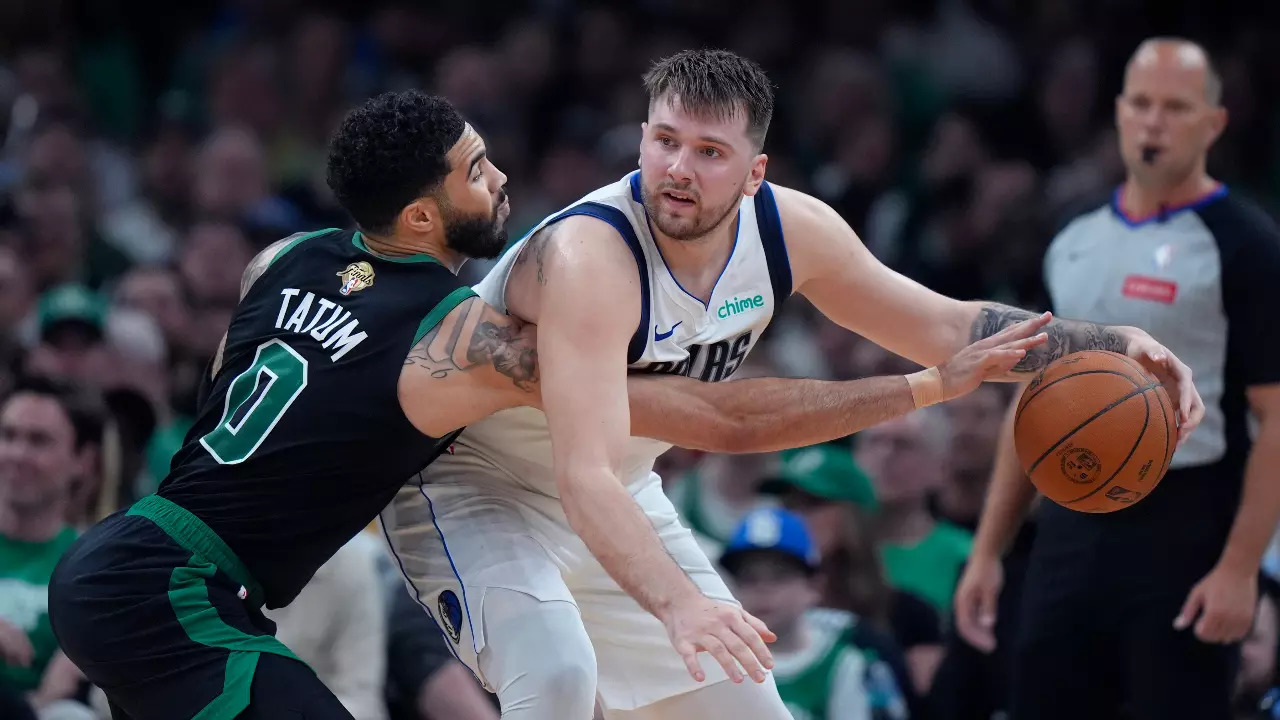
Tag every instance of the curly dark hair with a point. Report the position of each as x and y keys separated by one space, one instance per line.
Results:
x=717 y=84
x=390 y=151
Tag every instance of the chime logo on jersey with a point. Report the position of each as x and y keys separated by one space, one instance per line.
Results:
x=357 y=276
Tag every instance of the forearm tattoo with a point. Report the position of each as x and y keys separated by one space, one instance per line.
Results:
x=479 y=337
x=1065 y=336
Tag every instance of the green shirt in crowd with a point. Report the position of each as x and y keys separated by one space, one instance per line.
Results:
x=931 y=567
x=25 y=569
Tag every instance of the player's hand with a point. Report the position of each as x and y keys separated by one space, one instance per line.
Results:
x=1224 y=603
x=1173 y=374
x=991 y=357
x=975 y=601
x=732 y=635
x=15 y=646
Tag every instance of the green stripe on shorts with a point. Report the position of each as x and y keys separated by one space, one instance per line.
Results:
x=189 y=596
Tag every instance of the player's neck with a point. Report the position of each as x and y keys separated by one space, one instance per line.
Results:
x=697 y=264
x=399 y=246
x=1140 y=200
x=30 y=525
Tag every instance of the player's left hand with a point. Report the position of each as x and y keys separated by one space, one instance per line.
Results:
x=1174 y=374
x=1224 y=601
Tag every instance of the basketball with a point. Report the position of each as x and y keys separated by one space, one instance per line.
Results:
x=1095 y=431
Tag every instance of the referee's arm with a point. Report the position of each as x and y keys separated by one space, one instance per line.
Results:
x=1221 y=606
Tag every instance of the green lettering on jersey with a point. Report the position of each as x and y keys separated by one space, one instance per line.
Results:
x=256 y=400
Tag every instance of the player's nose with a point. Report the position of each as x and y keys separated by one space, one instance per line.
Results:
x=681 y=167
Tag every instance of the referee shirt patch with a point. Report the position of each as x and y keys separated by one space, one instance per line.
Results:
x=1143 y=287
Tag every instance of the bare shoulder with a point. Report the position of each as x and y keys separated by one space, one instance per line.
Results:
x=475 y=337
x=580 y=255
x=818 y=238
x=573 y=241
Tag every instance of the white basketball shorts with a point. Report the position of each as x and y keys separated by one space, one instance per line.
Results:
x=459 y=531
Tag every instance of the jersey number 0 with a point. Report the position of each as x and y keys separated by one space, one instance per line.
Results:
x=255 y=402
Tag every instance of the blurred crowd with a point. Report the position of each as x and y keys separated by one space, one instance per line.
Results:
x=149 y=151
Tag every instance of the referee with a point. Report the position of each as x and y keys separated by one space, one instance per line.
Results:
x=1138 y=613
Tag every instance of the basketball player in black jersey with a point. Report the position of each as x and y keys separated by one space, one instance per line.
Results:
x=352 y=361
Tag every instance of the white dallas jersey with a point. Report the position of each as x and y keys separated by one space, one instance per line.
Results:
x=677 y=334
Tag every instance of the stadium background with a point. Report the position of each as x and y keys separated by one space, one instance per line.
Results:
x=149 y=149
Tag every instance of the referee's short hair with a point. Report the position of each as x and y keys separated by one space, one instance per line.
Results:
x=1212 y=78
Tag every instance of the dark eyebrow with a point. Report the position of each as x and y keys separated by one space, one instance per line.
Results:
x=476 y=160
x=705 y=138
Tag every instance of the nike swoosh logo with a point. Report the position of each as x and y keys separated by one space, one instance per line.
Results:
x=660 y=336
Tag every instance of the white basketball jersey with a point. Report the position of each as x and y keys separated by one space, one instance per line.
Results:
x=678 y=334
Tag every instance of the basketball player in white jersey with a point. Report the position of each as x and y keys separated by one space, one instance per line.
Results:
x=548 y=585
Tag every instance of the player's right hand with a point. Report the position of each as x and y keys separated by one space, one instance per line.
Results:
x=733 y=636
x=15 y=646
x=991 y=358
x=975 y=602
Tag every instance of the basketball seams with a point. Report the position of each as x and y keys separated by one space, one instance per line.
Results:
x=1106 y=409
x=1146 y=422
x=1022 y=405
x=1135 y=365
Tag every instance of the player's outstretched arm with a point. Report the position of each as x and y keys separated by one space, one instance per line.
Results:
x=835 y=271
x=768 y=414
x=559 y=282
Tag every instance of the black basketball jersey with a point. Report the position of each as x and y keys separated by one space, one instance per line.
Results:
x=301 y=441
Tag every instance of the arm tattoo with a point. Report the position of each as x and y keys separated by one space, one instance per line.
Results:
x=479 y=337
x=1065 y=336
x=535 y=251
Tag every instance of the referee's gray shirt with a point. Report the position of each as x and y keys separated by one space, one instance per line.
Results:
x=1204 y=280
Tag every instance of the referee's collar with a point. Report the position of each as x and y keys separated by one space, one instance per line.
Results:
x=1117 y=208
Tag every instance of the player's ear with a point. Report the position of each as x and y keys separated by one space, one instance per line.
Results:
x=421 y=216
x=755 y=176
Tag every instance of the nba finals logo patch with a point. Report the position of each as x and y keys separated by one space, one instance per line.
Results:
x=450 y=614
x=357 y=276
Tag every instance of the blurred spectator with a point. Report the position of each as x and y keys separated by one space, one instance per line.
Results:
x=833 y=496
x=214 y=256
x=818 y=482
x=906 y=460
x=47 y=432
x=820 y=674
x=974 y=420
x=71 y=322
x=232 y=183
x=714 y=496
x=338 y=626
x=17 y=291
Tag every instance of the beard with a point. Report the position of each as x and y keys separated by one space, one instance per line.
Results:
x=687 y=229
x=480 y=237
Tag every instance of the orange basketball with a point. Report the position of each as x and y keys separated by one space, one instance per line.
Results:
x=1095 y=431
